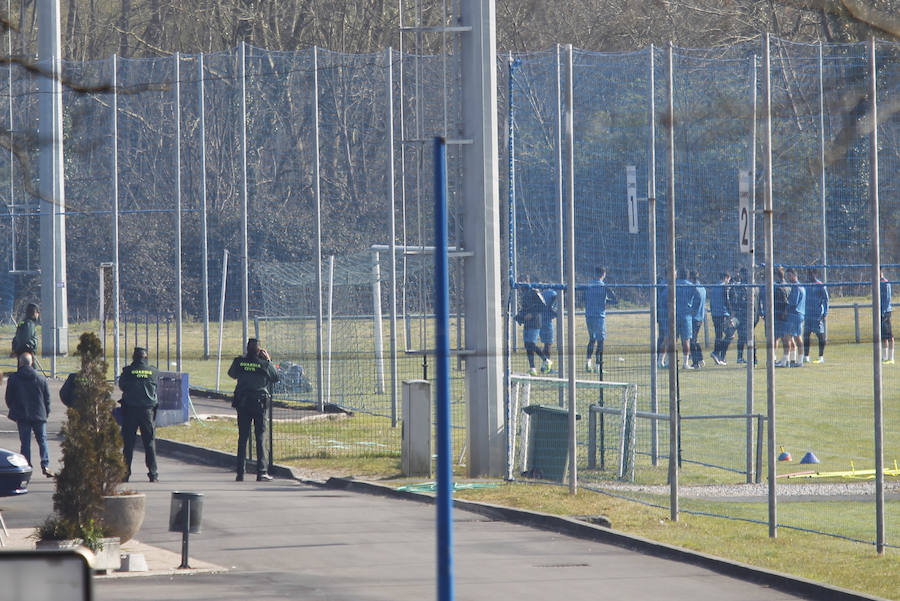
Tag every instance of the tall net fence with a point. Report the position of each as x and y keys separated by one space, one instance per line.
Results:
x=330 y=154
x=821 y=172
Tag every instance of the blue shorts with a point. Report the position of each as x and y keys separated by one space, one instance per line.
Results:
x=780 y=328
x=814 y=327
x=794 y=324
x=684 y=324
x=597 y=328
x=548 y=333
x=530 y=335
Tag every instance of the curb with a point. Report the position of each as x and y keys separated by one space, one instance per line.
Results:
x=190 y=453
x=571 y=527
x=552 y=523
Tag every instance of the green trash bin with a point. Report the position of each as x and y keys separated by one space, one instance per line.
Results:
x=548 y=442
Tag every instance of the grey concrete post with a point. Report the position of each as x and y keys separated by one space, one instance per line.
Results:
x=481 y=226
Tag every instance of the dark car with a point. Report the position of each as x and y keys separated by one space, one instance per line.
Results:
x=15 y=473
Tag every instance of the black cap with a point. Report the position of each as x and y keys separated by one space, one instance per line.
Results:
x=139 y=352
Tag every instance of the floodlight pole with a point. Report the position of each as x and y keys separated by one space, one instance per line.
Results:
x=824 y=215
x=751 y=291
x=178 y=276
x=245 y=250
x=651 y=236
x=876 y=307
x=115 y=219
x=670 y=339
x=389 y=68
x=770 y=294
x=560 y=351
x=320 y=367
x=51 y=185
x=204 y=250
x=479 y=193
x=12 y=148
x=570 y=265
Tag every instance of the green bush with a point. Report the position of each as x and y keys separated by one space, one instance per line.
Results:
x=92 y=463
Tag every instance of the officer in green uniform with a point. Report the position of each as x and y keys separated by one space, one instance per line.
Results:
x=139 y=401
x=255 y=375
x=25 y=339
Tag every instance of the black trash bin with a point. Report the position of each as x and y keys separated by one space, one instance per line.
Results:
x=548 y=442
x=179 y=511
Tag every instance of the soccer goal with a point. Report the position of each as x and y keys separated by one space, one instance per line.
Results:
x=539 y=432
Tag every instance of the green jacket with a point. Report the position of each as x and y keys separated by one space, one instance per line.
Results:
x=138 y=383
x=26 y=337
x=253 y=376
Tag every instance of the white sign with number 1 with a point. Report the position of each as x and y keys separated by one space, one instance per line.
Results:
x=631 y=187
x=746 y=211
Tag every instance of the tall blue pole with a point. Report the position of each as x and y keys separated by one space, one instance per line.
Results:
x=442 y=338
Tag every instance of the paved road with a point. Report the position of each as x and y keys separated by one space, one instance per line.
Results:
x=292 y=540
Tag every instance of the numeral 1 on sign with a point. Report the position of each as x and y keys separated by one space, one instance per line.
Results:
x=631 y=185
x=745 y=211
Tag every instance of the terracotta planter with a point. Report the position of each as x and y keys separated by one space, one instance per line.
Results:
x=123 y=515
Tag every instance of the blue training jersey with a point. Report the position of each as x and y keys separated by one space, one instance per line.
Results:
x=549 y=314
x=700 y=311
x=686 y=298
x=596 y=296
x=796 y=300
x=816 y=302
x=885 y=297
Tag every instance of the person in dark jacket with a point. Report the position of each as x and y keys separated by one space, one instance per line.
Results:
x=139 y=401
x=814 y=318
x=25 y=339
x=720 y=307
x=255 y=375
x=780 y=305
x=28 y=399
x=746 y=313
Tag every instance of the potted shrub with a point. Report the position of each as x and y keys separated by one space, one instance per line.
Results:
x=92 y=464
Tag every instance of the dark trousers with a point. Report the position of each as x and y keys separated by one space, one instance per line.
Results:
x=806 y=337
x=743 y=336
x=696 y=351
x=724 y=334
x=531 y=349
x=26 y=428
x=244 y=419
x=143 y=419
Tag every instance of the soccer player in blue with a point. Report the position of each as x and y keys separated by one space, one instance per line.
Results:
x=699 y=315
x=887 y=335
x=687 y=300
x=720 y=309
x=814 y=318
x=596 y=296
x=530 y=317
x=548 y=332
x=796 y=307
